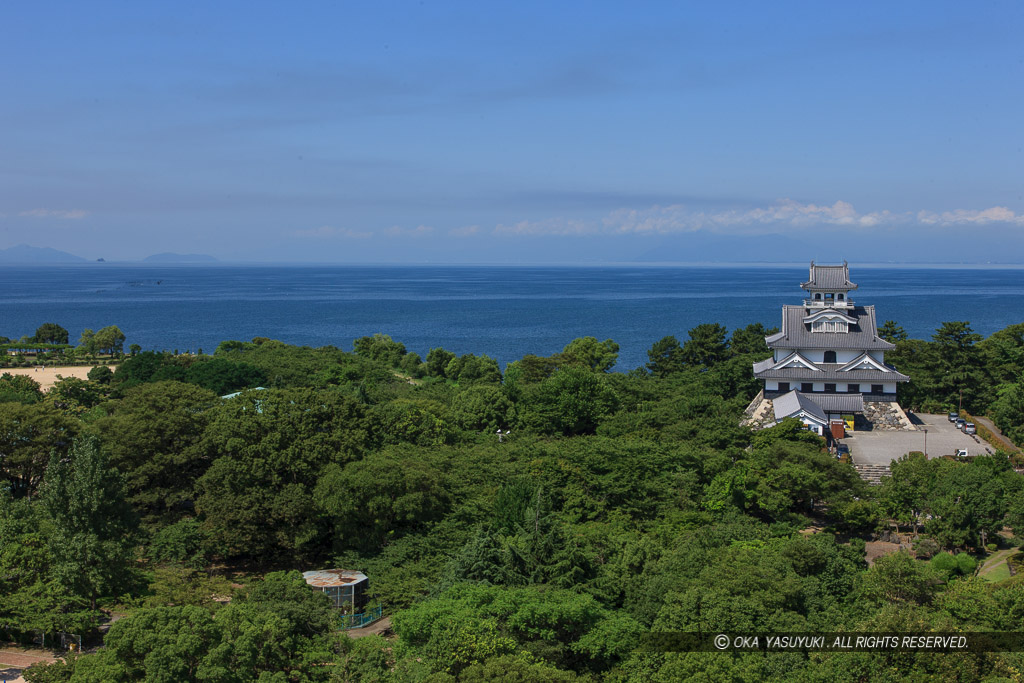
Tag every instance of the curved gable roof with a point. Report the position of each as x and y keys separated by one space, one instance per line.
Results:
x=829 y=278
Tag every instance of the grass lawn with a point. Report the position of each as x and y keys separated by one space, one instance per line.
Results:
x=998 y=573
x=995 y=568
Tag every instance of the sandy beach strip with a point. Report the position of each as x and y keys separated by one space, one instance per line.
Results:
x=48 y=376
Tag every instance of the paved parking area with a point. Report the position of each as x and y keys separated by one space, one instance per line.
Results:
x=880 y=448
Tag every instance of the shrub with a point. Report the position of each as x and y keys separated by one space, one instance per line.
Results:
x=101 y=374
x=945 y=564
x=925 y=548
x=965 y=564
x=180 y=543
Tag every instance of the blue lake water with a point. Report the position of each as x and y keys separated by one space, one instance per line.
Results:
x=504 y=312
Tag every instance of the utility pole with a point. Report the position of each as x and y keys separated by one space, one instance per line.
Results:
x=926 y=444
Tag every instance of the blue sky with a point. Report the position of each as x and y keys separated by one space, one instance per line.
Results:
x=515 y=132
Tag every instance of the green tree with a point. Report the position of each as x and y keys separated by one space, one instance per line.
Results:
x=967 y=501
x=155 y=436
x=378 y=496
x=905 y=492
x=590 y=353
x=29 y=436
x=665 y=357
x=92 y=538
x=960 y=371
x=158 y=644
x=1003 y=353
x=531 y=369
x=101 y=374
x=891 y=332
x=109 y=340
x=279 y=629
x=50 y=333
x=750 y=339
x=381 y=348
x=471 y=369
x=437 y=362
x=408 y=420
x=87 y=342
x=1007 y=410
x=20 y=389
x=899 y=578
x=483 y=408
x=74 y=396
x=707 y=345
x=269 y=449
x=573 y=401
x=31 y=598
x=223 y=376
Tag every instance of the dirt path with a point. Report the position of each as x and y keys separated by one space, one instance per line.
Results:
x=377 y=628
x=47 y=376
x=13 y=660
x=876 y=549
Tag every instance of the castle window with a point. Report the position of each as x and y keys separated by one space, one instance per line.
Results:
x=830 y=388
x=853 y=388
x=830 y=357
x=829 y=326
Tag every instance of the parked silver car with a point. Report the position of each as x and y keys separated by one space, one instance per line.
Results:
x=969 y=428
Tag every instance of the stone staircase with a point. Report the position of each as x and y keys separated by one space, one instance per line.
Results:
x=872 y=474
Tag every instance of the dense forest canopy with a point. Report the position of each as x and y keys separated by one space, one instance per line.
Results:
x=531 y=524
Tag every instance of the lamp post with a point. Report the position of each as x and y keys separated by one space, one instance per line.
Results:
x=926 y=444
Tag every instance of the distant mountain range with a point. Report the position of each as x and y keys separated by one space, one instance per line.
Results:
x=24 y=254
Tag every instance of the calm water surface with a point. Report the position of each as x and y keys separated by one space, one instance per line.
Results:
x=504 y=312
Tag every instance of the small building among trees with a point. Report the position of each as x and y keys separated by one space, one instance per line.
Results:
x=346 y=588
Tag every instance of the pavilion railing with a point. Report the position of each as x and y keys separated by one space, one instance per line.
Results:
x=364 y=619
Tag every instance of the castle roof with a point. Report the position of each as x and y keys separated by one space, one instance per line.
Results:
x=796 y=334
x=816 y=406
x=793 y=403
x=829 y=278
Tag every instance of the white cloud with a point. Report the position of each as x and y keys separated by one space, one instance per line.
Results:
x=325 y=231
x=55 y=213
x=398 y=231
x=996 y=214
x=783 y=215
x=786 y=213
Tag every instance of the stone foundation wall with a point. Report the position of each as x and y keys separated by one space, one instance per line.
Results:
x=887 y=416
x=759 y=414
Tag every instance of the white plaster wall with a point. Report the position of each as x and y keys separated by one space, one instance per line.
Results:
x=818 y=355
